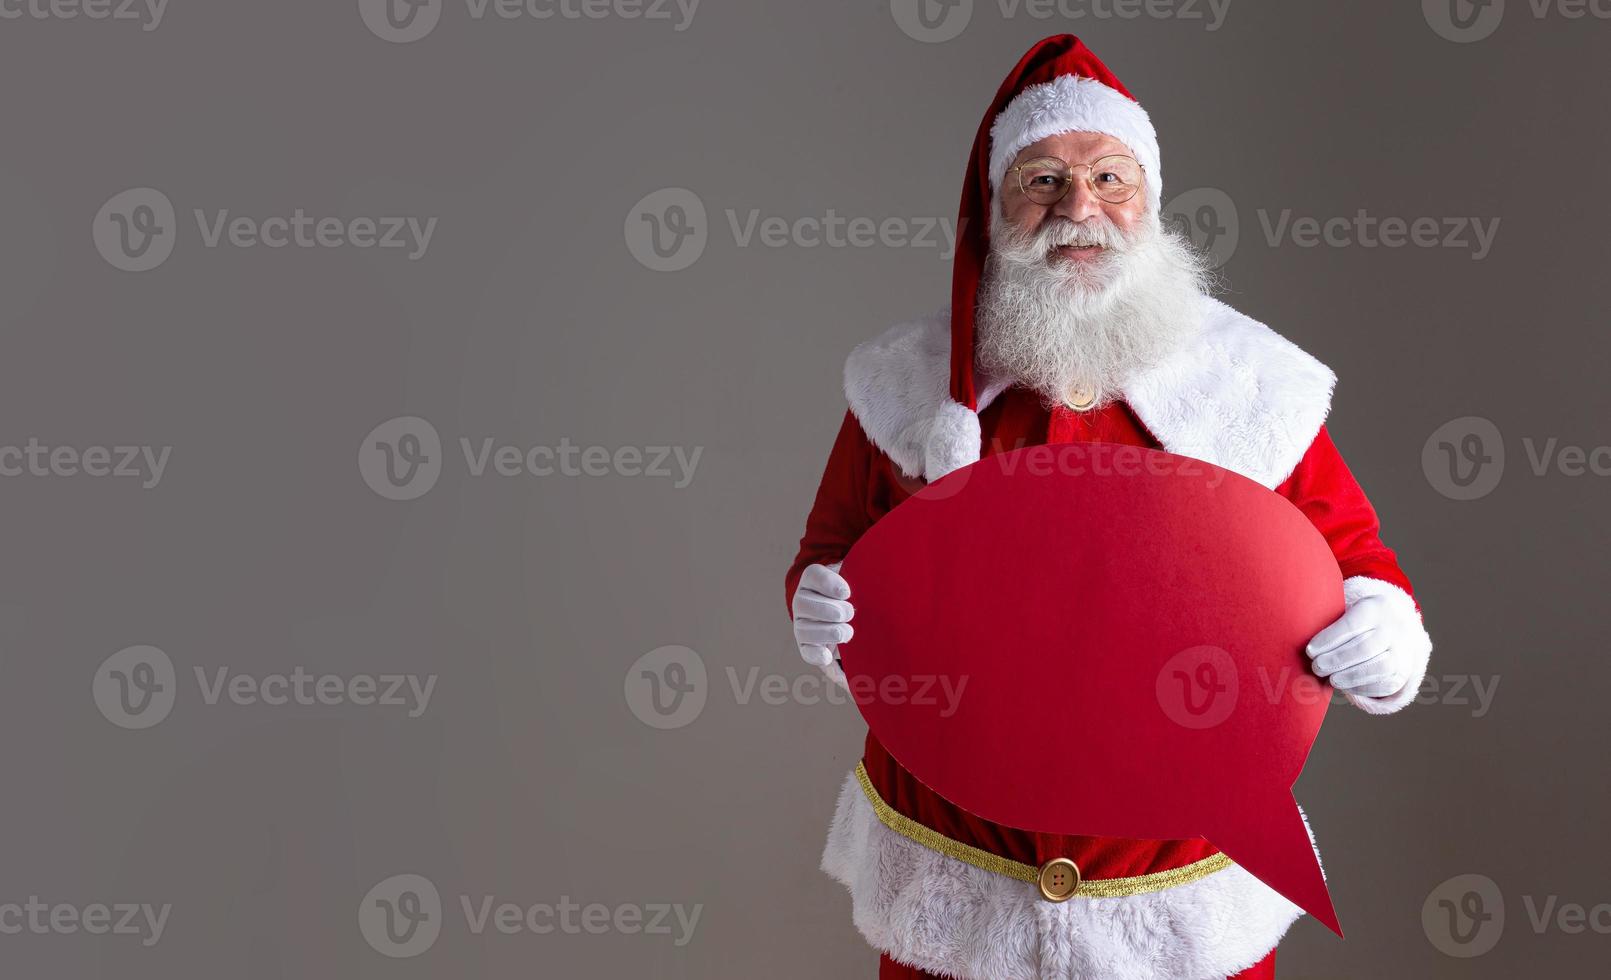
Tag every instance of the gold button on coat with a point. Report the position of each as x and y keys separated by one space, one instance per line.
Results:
x=1059 y=879
x=1080 y=401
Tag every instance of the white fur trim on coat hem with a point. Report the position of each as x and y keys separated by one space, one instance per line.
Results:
x=945 y=916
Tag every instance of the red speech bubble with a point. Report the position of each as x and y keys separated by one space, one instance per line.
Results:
x=1124 y=629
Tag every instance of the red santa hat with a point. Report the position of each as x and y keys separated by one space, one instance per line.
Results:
x=1059 y=86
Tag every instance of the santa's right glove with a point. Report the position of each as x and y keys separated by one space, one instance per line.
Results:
x=822 y=614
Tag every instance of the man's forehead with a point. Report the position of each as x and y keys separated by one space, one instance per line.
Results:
x=1060 y=143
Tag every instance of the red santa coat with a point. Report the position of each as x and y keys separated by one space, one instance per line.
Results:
x=1239 y=396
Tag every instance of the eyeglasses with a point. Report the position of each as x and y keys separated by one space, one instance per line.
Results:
x=1046 y=180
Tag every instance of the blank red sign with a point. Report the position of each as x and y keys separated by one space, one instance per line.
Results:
x=1105 y=640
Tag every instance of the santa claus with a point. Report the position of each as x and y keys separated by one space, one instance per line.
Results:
x=1076 y=316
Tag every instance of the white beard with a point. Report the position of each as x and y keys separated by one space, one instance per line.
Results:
x=1086 y=327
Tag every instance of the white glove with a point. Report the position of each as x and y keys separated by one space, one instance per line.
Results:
x=1376 y=653
x=822 y=618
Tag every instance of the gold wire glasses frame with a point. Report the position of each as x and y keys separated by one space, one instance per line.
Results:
x=1125 y=172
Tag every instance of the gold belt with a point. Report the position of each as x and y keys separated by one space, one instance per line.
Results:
x=1059 y=879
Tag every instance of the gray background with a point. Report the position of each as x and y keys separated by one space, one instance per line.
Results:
x=529 y=320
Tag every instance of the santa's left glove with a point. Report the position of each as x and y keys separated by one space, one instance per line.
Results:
x=1376 y=654
x=822 y=612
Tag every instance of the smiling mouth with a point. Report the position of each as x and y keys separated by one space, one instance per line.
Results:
x=1077 y=251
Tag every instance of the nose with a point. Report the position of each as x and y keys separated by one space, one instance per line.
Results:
x=1080 y=203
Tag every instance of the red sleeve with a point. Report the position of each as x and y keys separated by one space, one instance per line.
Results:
x=841 y=513
x=1328 y=495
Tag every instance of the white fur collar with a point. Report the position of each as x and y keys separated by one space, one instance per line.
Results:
x=1238 y=395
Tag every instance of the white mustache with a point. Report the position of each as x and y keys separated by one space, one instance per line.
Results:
x=1061 y=232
